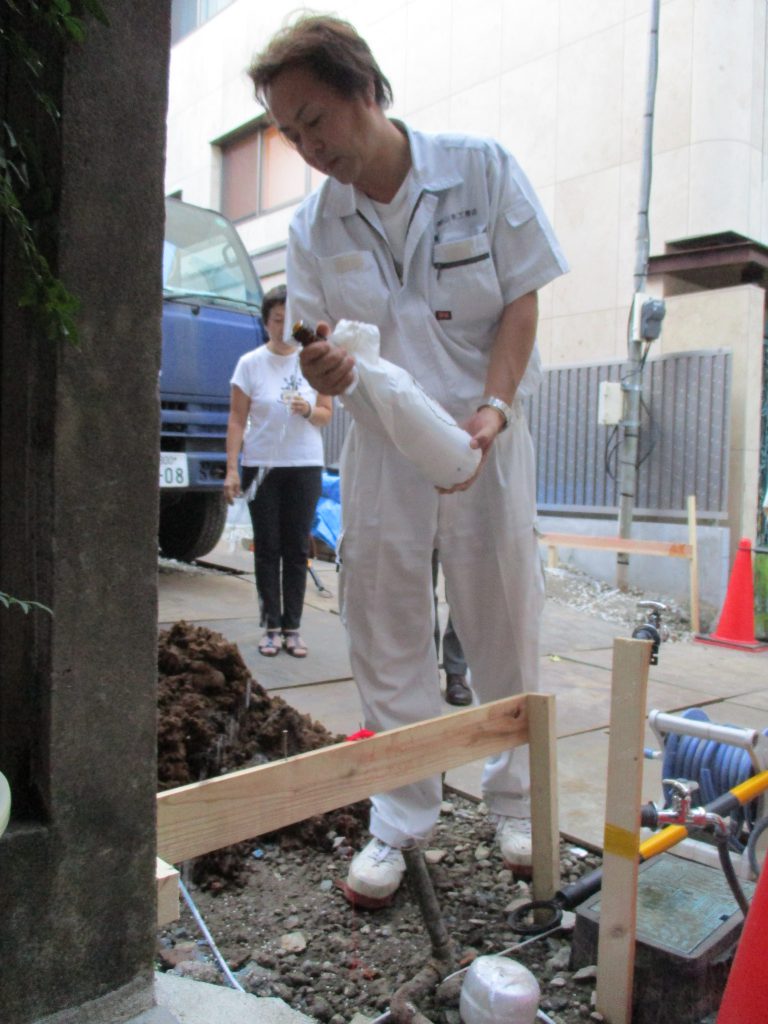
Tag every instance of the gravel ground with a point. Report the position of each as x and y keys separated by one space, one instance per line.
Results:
x=273 y=906
x=290 y=933
x=585 y=594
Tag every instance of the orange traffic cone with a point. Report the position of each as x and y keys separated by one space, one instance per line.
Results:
x=745 y=1000
x=736 y=626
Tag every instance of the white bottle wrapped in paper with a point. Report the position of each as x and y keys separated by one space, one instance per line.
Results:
x=417 y=425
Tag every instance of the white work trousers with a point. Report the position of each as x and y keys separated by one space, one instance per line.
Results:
x=392 y=520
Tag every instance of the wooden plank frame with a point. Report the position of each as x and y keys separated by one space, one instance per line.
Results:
x=205 y=816
x=633 y=546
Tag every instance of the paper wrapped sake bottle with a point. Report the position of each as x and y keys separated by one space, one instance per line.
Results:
x=417 y=425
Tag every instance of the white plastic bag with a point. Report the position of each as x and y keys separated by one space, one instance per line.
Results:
x=416 y=424
x=498 y=990
x=238 y=527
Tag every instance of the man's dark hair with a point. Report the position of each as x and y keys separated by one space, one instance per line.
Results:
x=274 y=297
x=329 y=48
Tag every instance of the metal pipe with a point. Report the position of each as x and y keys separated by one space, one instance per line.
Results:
x=632 y=381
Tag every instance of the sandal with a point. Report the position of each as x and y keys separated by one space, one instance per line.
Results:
x=294 y=645
x=268 y=645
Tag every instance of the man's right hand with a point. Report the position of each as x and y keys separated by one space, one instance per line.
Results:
x=329 y=369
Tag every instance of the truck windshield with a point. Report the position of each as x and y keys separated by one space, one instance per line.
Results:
x=204 y=257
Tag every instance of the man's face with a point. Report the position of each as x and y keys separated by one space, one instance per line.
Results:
x=332 y=133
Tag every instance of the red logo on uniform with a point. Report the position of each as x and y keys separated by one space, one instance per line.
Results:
x=444 y=314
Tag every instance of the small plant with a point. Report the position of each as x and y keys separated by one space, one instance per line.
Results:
x=8 y=601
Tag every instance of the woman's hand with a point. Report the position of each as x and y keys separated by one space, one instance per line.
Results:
x=232 y=486
x=329 y=369
x=301 y=406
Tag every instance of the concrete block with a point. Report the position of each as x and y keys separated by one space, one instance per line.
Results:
x=196 y=1002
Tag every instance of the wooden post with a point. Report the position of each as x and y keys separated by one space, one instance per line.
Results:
x=542 y=747
x=618 y=903
x=167 y=878
x=693 y=565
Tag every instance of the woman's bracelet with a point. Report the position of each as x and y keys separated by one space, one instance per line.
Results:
x=308 y=413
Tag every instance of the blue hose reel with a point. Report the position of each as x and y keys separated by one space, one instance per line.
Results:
x=714 y=760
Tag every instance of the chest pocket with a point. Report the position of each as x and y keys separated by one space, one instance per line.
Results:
x=464 y=279
x=353 y=286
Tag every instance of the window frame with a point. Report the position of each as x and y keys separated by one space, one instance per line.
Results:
x=257 y=132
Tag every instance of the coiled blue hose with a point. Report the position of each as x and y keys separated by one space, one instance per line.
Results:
x=716 y=767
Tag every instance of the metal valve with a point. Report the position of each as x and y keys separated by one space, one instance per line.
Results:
x=653 y=628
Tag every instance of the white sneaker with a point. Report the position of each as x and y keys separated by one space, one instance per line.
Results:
x=514 y=838
x=374 y=875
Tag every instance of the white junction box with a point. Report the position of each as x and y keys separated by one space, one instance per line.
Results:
x=610 y=403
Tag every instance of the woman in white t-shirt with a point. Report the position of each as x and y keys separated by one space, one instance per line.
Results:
x=275 y=418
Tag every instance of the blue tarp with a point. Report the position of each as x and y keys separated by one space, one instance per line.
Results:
x=327 y=524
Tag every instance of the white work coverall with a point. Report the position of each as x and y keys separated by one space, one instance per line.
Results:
x=477 y=239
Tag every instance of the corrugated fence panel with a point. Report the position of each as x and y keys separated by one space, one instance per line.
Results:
x=682 y=449
x=683 y=442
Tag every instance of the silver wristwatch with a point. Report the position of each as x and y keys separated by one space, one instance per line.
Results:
x=500 y=405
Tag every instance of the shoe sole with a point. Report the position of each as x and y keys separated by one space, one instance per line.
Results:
x=357 y=899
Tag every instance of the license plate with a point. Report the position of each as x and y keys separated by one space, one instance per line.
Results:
x=173 y=469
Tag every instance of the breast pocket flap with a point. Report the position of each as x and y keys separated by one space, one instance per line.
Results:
x=520 y=212
x=462 y=249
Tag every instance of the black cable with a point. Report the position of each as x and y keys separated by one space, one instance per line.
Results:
x=730 y=874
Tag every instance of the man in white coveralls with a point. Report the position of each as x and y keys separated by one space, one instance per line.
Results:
x=441 y=243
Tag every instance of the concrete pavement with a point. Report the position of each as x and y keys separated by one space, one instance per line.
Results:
x=576 y=657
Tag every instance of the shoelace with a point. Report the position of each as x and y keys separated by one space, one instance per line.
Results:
x=383 y=852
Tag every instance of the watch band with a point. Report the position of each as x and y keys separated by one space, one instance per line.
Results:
x=500 y=405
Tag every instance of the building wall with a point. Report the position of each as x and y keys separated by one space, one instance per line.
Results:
x=563 y=85
x=729 y=318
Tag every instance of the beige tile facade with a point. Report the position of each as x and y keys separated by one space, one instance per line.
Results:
x=563 y=85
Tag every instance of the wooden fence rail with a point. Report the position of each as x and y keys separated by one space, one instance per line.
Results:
x=205 y=816
x=632 y=546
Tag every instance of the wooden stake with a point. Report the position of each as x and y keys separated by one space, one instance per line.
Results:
x=618 y=902
x=545 y=839
x=694 y=564
x=167 y=879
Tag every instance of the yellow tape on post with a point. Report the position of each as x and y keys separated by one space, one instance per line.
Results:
x=621 y=842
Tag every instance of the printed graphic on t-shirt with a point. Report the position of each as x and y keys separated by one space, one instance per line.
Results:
x=290 y=388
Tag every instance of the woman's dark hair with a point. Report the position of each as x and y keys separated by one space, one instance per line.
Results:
x=331 y=49
x=275 y=297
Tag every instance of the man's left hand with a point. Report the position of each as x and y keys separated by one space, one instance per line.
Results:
x=482 y=426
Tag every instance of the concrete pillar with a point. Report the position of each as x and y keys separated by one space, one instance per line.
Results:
x=78 y=520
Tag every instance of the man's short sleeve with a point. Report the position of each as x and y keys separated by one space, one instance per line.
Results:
x=526 y=253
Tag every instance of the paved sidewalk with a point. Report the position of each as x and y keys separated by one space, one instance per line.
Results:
x=576 y=658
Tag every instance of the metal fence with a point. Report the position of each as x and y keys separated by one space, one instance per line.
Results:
x=683 y=444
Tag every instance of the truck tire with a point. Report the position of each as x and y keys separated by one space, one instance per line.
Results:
x=191 y=526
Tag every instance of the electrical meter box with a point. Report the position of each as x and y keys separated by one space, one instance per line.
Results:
x=610 y=403
x=688 y=927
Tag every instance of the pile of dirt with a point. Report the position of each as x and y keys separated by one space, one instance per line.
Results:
x=213 y=718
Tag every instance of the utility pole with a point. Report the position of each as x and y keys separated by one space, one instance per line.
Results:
x=645 y=318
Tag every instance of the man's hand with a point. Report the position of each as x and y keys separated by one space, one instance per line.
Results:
x=328 y=369
x=482 y=426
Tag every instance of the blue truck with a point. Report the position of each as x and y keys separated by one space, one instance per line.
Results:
x=211 y=316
